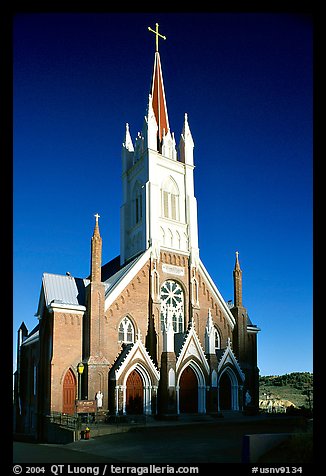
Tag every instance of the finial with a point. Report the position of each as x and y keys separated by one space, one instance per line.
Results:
x=210 y=323
x=237 y=282
x=96 y=253
x=96 y=227
x=157 y=34
x=237 y=264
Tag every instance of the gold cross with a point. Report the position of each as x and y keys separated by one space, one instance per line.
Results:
x=157 y=34
x=97 y=216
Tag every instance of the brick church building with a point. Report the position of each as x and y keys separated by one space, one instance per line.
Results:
x=150 y=327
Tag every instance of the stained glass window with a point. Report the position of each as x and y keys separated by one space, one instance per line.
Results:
x=126 y=331
x=172 y=303
x=217 y=339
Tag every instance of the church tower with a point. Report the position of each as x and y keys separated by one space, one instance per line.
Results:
x=159 y=207
x=244 y=339
x=95 y=345
x=239 y=313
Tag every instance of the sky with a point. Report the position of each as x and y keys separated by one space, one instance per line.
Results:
x=246 y=82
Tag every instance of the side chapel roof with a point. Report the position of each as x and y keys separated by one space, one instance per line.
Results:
x=67 y=290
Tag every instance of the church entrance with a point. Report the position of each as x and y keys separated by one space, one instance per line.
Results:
x=134 y=394
x=225 y=392
x=69 y=393
x=188 y=393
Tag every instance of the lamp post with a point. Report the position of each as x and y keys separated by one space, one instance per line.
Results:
x=80 y=368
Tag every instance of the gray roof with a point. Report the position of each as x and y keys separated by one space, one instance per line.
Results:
x=220 y=353
x=68 y=290
x=62 y=289
x=115 y=279
x=179 y=339
x=126 y=348
x=32 y=338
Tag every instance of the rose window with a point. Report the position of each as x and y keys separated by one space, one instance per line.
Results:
x=172 y=305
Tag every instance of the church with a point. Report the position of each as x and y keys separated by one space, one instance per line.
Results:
x=148 y=332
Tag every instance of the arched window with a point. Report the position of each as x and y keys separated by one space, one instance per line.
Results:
x=217 y=339
x=137 y=203
x=172 y=302
x=178 y=239
x=162 y=236
x=126 y=331
x=170 y=200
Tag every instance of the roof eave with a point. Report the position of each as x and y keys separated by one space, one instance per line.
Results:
x=253 y=329
x=66 y=306
x=223 y=303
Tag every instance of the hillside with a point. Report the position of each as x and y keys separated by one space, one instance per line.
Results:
x=296 y=387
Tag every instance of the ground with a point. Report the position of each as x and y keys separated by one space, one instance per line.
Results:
x=216 y=440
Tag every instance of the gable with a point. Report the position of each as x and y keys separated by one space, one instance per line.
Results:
x=120 y=280
x=227 y=357
x=217 y=296
x=192 y=348
x=135 y=352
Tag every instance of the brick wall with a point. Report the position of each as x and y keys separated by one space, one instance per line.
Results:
x=67 y=352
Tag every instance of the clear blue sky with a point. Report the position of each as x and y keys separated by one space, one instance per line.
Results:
x=245 y=80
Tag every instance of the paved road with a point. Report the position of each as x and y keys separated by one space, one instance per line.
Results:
x=219 y=441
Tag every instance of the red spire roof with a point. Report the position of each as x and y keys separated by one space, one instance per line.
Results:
x=158 y=98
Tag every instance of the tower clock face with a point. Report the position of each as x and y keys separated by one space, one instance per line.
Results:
x=172 y=303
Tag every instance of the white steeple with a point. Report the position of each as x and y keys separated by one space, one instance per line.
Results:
x=127 y=150
x=186 y=145
x=159 y=207
x=128 y=142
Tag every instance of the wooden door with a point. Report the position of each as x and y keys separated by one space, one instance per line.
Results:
x=188 y=393
x=69 y=393
x=134 y=394
x=225 y=392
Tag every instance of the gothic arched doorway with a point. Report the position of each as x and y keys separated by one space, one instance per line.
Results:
x=69 y=393
x=225 y=392
x=188 y=392
x=134 y=394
